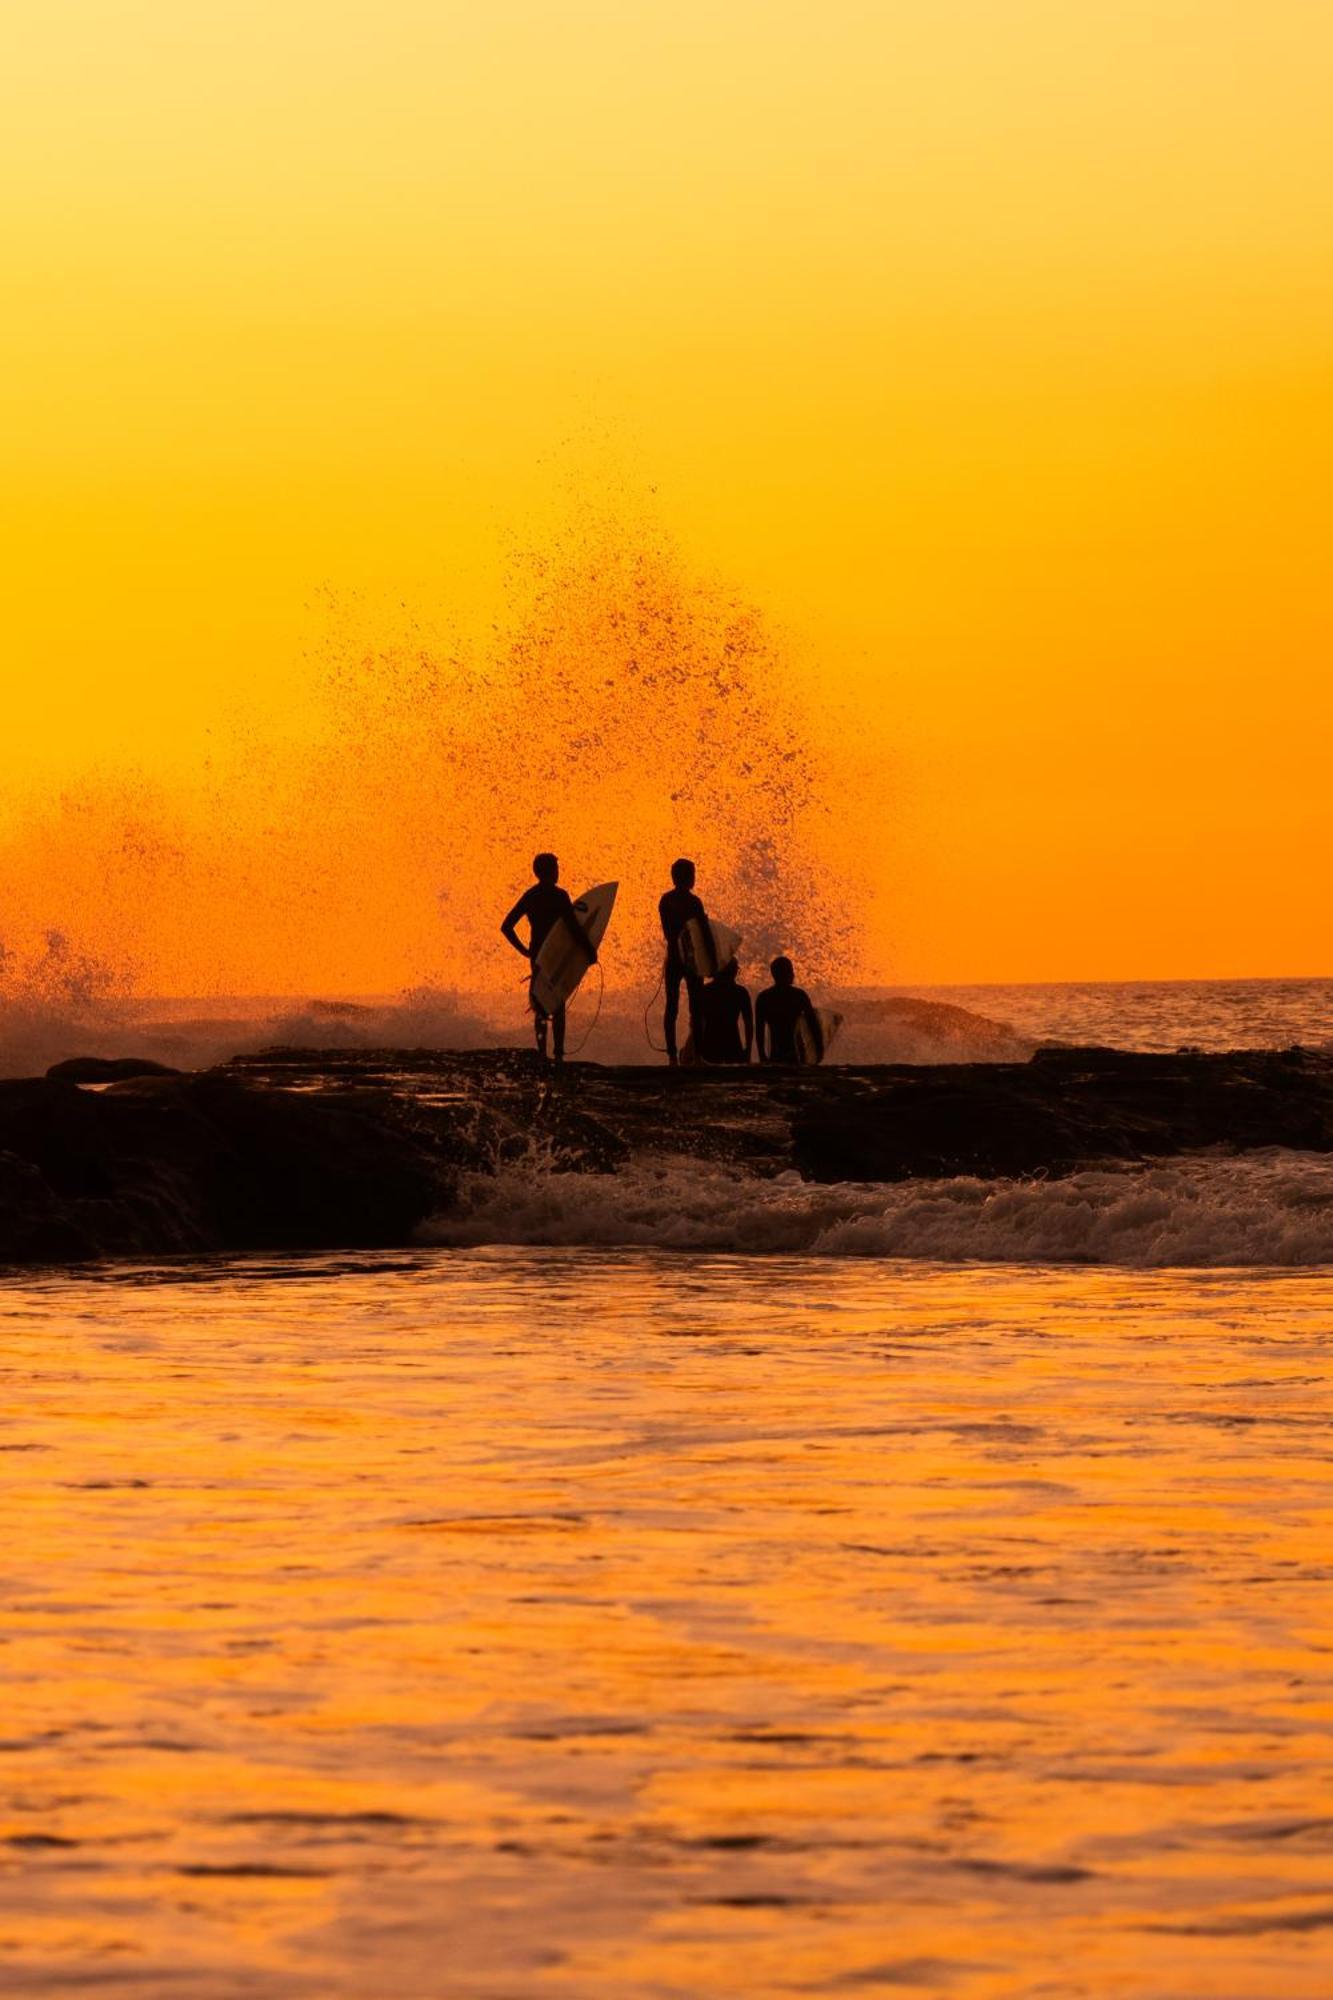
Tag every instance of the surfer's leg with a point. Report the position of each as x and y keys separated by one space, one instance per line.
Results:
x=672 y=977
x=539 y=1021
x=558 y=1022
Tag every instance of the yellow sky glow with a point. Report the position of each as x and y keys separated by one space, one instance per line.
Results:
x=982 y=345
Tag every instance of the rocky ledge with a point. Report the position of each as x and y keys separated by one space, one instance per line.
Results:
x=327 y=1149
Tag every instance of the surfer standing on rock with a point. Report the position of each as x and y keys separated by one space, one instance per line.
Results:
x=545 y=905
x=676 y=909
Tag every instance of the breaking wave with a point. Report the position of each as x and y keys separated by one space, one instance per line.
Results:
x=366 y=826
x=1265 y=1209
x=65 y=1003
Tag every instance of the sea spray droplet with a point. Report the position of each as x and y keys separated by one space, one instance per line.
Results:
x=620 y=710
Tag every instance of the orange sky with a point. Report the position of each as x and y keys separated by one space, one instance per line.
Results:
x=982 y=348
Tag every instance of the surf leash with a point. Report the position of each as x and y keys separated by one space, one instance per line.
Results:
x=579 y=1047
x=647 y=1031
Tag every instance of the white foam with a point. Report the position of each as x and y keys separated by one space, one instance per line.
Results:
x=1260 y=1209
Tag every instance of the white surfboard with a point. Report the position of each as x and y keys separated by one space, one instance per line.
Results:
x=706 y=946
x=829 y=1024
x=562 y=961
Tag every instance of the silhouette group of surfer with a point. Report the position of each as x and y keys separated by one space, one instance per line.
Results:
x=782 y=1026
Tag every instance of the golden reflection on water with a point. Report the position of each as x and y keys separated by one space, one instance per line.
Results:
x=511 y=1624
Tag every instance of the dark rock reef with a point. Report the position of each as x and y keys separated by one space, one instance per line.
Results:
x=166 y=1165
x=334 y=1149
x=1065 y=1109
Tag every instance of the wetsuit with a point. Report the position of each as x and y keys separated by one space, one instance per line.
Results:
x=777 y=1012
x=724 y=1009
x=675 y=909
x=544 y=904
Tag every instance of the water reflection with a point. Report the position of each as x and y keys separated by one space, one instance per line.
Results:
x=539 y=1622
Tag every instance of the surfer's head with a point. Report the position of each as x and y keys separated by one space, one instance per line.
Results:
x=545 y=867
x=729 y=971
x=783 y=971
x=682 y=874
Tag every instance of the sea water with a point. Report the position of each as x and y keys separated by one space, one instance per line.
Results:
x=523 y=1622
x=655 y=1587
x=1160 y=1014
x=624 y=1025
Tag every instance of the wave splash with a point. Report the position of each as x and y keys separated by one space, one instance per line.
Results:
x=1262 y=1210
x=617 y=708
x=54 y=996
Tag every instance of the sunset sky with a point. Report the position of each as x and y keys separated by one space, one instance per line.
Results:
x=981 y=346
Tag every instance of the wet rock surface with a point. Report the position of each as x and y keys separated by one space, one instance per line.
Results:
x=161 y=1166
x=338 y=1149
x=107 y=1069
x=1065 y=1109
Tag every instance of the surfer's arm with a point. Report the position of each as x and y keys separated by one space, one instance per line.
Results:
x=509 y=931
x=762 y=1029
x=747 y=1022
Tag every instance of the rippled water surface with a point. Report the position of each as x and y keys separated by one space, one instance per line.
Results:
x=1161 y=1014
x=524 y=1623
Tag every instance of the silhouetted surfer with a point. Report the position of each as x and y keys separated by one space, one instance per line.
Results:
x=675 y=909
x=726 y=1019
x=544 y=905
x=778 y=1013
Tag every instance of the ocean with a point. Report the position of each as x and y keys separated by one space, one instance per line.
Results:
x=881 y=1023
x=659 y=1587
x=1159 y=1014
